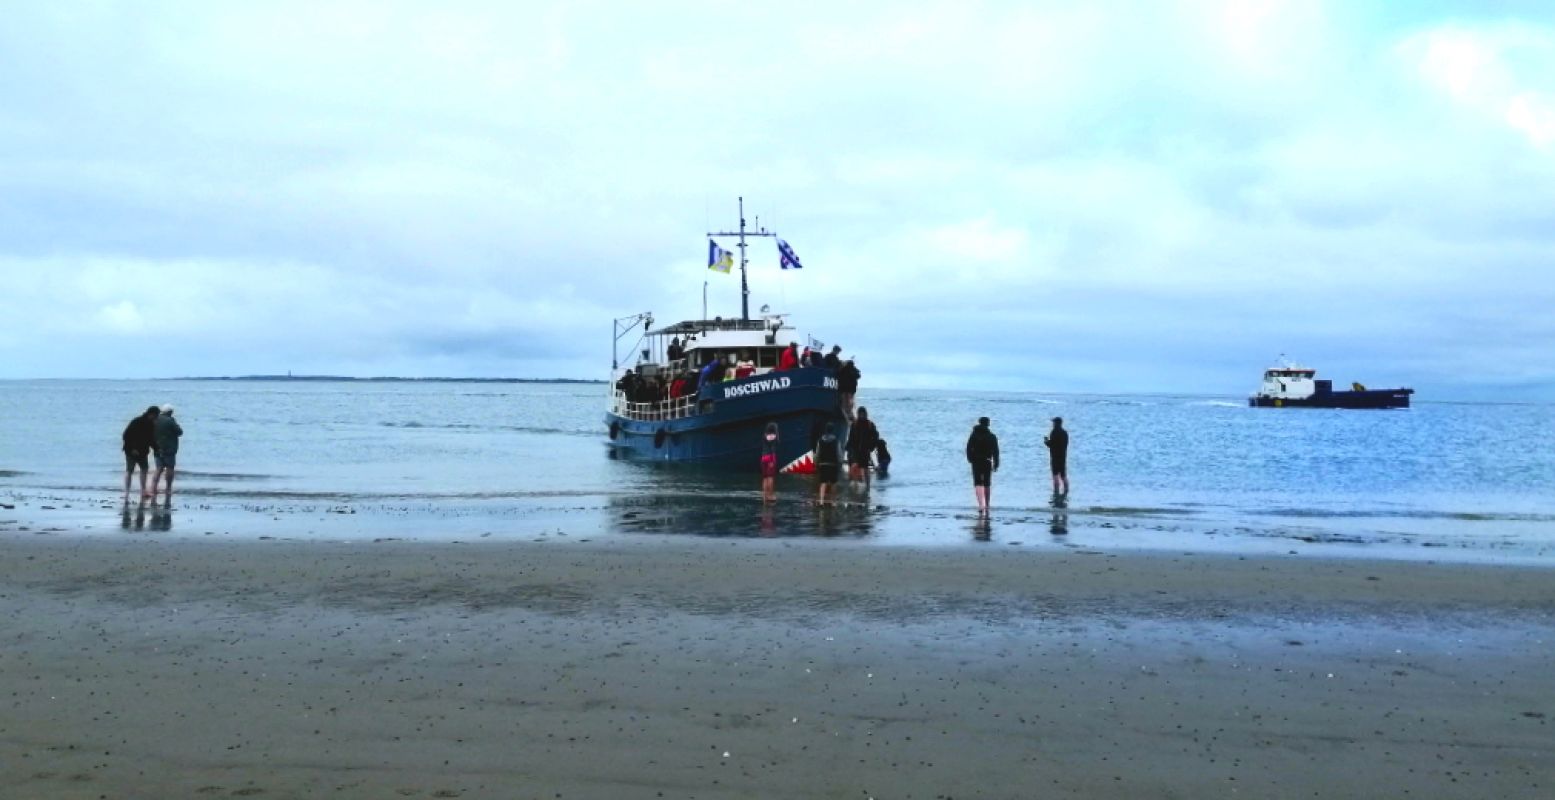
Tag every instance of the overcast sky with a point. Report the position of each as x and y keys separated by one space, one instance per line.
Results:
x=1067 y=197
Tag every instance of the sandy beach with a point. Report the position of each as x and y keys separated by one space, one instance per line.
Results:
x=135 y=667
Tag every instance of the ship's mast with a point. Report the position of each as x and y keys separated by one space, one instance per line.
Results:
x=745 y=289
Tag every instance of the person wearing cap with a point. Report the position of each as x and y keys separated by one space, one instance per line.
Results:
x=1057 y=442
x=982 y=452
x=167 y=432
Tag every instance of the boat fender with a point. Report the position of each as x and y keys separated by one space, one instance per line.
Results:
x=615 y=430
x=659 y=436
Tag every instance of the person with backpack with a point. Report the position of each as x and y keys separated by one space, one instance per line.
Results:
x=828 y=460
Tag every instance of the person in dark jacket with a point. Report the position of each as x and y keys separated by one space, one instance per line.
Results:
x=139 y=439
x=982 y=452
x=861 y=445
x=847 y=386
x=828 y=461
x=833 y=361
x=166 y=433
x=1057 y=442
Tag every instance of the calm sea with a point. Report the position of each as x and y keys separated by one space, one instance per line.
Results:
x=464 y=460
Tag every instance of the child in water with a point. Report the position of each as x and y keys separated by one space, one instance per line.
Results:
x=769 y=465
x=882 y=460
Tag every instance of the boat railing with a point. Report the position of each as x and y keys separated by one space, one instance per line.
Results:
x=661 y=411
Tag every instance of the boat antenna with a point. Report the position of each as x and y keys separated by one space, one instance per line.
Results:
x=745 y=289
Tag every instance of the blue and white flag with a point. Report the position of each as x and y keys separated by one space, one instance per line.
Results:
x=786 y=257
x=719 y=259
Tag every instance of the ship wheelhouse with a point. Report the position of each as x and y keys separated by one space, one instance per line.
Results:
x=1288 y=382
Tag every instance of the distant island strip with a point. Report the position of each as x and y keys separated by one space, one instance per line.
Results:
x=383 y=379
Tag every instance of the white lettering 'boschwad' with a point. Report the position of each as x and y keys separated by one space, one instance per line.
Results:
x=755 y=387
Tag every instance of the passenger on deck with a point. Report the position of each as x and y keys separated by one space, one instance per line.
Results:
x=807 y=358
x=790 y=358
x=675 y=351
x=712 y=373
x=847 y=386
x=731 y=367
x=677 y=387
x=745 y=367
x=832 y=361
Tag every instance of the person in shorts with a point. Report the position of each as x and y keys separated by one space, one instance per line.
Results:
x=828 y=462
x=139 y=439
x=982 y=452
x=167 y=433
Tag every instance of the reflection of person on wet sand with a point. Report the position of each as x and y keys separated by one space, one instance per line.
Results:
x=1059 y=526
x=139 y=521
x=162 y=516
x=982 y=528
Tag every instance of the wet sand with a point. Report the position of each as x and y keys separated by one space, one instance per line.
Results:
x=134 y=667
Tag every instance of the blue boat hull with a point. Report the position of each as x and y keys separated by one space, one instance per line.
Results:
x=727 y=432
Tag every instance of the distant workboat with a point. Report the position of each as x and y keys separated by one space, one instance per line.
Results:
x=722 y=422
x=1290 y=385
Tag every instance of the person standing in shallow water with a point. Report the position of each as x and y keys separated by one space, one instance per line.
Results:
x=769 y=465
x=828 y=461
x=862 y=438
x=1057 y=442
x=167 y=433
x=139 y=439
x=982 y=452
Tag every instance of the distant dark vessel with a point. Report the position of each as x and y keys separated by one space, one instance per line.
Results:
x=1290 y=385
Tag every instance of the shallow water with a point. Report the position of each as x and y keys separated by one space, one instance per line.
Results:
x=391 y=459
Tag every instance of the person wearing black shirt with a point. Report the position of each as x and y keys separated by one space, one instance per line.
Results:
x=982 y=452
x=139 y=440
x=1057 y=442
x=828 y=461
